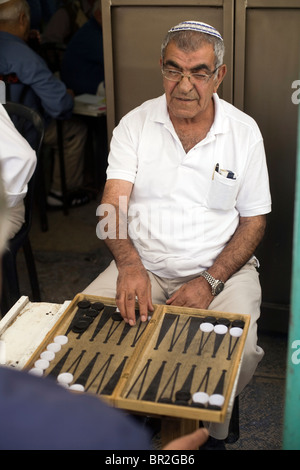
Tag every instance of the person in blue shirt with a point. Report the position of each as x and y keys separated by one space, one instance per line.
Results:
x=38 y=414
x=82 y=65
x=45 y=93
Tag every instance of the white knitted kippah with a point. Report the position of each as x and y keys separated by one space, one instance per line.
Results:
x=196 y=26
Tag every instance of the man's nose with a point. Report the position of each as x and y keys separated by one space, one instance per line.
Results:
x=185 y=84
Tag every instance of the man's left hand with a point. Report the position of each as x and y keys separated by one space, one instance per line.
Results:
x=195 y=293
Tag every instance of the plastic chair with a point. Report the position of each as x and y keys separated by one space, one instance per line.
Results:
x=22 y=117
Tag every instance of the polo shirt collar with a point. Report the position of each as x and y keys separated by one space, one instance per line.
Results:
x=220 y=124
x=12 y=37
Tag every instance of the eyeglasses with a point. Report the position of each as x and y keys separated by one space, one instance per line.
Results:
x=177 y=76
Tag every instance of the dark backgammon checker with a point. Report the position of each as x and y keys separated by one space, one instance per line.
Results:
x=181 y=363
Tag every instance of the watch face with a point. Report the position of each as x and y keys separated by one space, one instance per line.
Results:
x=219 y=287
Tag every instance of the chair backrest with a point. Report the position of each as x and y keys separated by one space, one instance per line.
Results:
x=23 y=117
x=31 y=126
x=10 y=80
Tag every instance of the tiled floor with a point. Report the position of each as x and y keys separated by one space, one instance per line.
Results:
x=69 y=256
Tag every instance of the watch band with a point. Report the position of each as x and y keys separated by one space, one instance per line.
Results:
x=210 y=279
x=216 y=285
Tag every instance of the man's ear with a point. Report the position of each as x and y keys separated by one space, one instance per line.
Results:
x=222 y=70
x=22 y=19
x=24 y=22
x=23 y=26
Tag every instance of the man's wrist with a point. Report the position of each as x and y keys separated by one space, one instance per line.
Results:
x=216 y=285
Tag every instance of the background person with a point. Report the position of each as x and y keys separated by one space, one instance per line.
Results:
x=46 y=94
x=83 y=64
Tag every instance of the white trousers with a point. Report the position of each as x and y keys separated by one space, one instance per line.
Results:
x=15 y=219
x=242 y=295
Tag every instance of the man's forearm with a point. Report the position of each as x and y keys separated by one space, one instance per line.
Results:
x=114 y=233
x=123 y=252
x=113 y=227
x=133 y=282
x=240 y=248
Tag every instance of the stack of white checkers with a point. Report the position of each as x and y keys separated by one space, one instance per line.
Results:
x=41 y=364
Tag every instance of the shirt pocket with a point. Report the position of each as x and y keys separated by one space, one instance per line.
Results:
x=222 y=192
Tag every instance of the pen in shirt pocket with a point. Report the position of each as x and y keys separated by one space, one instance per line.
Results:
x=226 y=173
x=216 y=169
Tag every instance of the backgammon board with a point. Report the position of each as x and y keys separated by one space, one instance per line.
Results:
x=181 y=363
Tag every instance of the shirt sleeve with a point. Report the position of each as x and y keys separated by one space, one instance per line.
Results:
x=51 y=91
x=254 y=197
x=17 y=160
x=123 y=160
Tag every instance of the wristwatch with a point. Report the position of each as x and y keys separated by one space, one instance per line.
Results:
x=216 y=285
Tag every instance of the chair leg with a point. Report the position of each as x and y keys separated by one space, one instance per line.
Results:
x=40 y=189
x=5 y=303
x=10 y=282
x=234 y=426
x=59 y=127
x=30 y=262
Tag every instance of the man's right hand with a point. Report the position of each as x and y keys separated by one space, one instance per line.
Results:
x=133 y=281
x=133 y=285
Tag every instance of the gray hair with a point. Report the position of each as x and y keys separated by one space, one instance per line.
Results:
x=190 y=41
x=11 y=11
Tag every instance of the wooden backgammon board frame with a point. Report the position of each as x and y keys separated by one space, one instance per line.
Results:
x=168 y=354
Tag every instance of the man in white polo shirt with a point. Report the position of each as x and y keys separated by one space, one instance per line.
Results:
x=187 y=175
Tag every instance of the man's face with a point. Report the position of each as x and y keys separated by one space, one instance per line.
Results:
x=191 y=99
